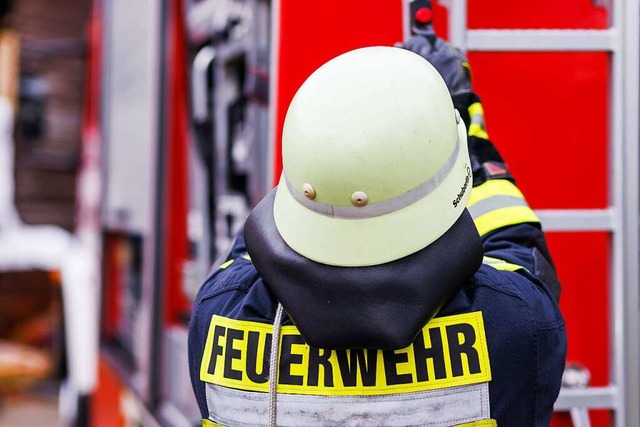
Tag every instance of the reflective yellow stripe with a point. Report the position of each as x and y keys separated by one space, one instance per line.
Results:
x=503 y=217
x=226 y=264
x=477 y=127
x=481 y=423
x=478 y=131
x=476 y=108
x=209 y=423
x=500 y=264
x=494 y=187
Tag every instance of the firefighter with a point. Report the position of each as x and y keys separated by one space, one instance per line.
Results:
x=396 y=276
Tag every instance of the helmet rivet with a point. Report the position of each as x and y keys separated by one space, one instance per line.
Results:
x=309 y=191
x=359 y=198
x=457 y=113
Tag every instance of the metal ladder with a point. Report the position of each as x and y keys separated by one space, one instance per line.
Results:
x=620 y=218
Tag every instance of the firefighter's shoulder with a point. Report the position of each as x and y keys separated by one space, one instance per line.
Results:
x=234 y=274
x=508 y=284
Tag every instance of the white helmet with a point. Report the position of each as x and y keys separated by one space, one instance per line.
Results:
x=376 y=165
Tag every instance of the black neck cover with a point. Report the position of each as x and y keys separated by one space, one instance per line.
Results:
x=382 y=306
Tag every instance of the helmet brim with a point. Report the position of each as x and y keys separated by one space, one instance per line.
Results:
x=358 y=242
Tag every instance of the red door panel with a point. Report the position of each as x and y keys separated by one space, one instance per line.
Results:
x=566 y=14
x=580 y=260
x=311 y=33
x=533 y=14
x=547 y=114
x=582 y=263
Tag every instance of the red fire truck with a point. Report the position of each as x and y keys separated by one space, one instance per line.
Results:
x=186 y=104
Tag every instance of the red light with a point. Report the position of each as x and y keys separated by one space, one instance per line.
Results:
x=423 y=15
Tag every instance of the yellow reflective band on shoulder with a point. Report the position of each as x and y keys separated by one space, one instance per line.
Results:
x=500 y=264
x=226 y=264
x=449 y=351
x=504 y=217
x=209 y=423
x=481 y=423
x=498 y=203
x=494 y=187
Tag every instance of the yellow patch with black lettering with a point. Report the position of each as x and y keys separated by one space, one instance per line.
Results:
x=447 y=352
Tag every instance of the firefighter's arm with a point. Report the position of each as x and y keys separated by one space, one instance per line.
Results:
x=511 y=233
x=510 y=230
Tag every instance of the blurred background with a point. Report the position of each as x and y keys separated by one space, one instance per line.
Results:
x=135 y=136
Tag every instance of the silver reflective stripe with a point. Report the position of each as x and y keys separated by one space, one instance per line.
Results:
x=436 y=408
x=493 y=203
x=380 y=208
x=477 y=119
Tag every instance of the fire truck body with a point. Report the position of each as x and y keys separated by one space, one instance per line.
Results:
x=191 y=98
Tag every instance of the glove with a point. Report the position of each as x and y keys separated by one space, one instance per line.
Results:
x=449 y=61
x=455 y=71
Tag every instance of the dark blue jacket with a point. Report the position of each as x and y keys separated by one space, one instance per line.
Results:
x=524 y=328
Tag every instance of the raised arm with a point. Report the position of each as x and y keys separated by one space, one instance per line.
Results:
x=511 y=233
